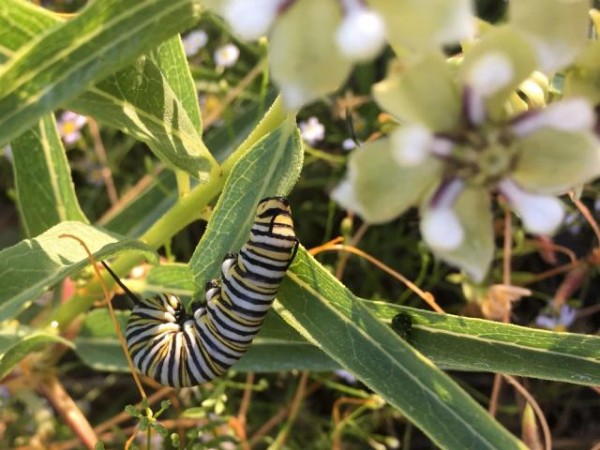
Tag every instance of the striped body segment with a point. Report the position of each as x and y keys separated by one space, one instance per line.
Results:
x=179 y=349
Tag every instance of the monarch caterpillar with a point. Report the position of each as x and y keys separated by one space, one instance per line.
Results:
x=179 y=349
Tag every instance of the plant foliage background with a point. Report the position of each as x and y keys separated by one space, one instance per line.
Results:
x=439 y=137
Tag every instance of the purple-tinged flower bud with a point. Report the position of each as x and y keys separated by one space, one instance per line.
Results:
x=488 y=75
x=572 y=115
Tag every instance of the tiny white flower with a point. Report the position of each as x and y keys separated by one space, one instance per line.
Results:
x=348 y=144
x=361 y=35
x=251 y=19
x=194 y=41
x=565 y=319
x=227 y=55
x=312 y=131
x=411 y=144
x=571 y=114
x=541 y=214
x=69 y=126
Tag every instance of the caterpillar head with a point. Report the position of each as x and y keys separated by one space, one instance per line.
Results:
x=276 y=214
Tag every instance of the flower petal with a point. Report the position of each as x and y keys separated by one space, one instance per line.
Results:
x=557 y=28
x=424 y=92
x=518 y=61
x=361 y=35
x=426 y=24
x=554 y=161
x=377 y=188
x=540 y=214
x=474 y=254
x=306 y=65
x=583 y=78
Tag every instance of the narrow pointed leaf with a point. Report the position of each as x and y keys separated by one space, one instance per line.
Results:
x=462 y=343
x=45 y=191
x=172 y=62
x=327 y=314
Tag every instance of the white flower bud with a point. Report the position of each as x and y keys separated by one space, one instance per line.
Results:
x=361 y=35
x=571 y=114
x=227 y=55
x=411 y=144
x=251 y=19
x=441 y=229
x=541 y=214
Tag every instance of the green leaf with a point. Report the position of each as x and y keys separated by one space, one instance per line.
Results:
x=160 y=121
x=172 y=62
x=97 y=344
x=32 y=266
x=327 y=314
x=17 y=342
x=19 y=22
x=56 y=66
x=463 y=343
x=170 y=127
x=270 y=167
x=45 y=191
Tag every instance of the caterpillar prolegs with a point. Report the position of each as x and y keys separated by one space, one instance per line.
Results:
x=179 y=349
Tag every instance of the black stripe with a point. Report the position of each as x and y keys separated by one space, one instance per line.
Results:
x=191 y=344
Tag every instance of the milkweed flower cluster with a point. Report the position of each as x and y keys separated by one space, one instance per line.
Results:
x=465 y=136
x=314 y=43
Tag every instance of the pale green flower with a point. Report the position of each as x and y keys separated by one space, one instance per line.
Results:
x=463 y=137
x=314 y=43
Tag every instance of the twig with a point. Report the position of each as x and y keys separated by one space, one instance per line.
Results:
x=111 y=189
x=538 y=411
x=53 y=390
